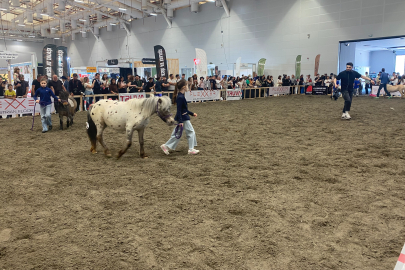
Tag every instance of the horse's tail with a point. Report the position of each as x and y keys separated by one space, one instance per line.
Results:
x=91 y=131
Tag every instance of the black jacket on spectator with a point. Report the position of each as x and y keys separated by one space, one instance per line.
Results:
x=97 y=87
x=20 y=91
x=75 y=87
x=57 y=86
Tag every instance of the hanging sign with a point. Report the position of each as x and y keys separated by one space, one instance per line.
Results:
x=62 y=63
x=91 y=69
x=149 y=61
x=161 y=63
x=49 y=60
x=8 y=55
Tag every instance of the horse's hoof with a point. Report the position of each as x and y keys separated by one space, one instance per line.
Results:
x=108 y=155
x=144 y=157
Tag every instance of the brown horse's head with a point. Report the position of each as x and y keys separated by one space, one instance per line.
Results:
x=64 y=98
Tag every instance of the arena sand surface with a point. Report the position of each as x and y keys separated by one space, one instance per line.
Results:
x=281 y=183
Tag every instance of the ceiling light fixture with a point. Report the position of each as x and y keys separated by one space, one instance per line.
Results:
x=44 y=14
x=19 y=39
x=79 y=1
x=82 y=31
x=31 y=36
x=21 y=24
x=113 y=24
x=153 y=14
x=82 y=20
x=56 y=38
x=3 y=9
x=122 y=8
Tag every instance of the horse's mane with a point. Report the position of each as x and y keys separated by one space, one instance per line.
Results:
x=149 y=104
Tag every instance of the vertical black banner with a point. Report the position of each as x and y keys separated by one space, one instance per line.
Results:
x=62 y=63
x=161 y=63
x=49 y=60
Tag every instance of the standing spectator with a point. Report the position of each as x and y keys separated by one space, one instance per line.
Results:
x=293 y=84
x=207 y=83
x=56 y=86
x=132 y=87
x=122 y=86
x=21 y=87
x=356 y=86
x=97 y=86
x=201 y=84
x=76 y=88
x=165 y=85
x=279 y=81
x=224 y=82
x=270 y=81
x=178 y=78
x=113 y=88
x=138 y=84
x=318 y=80
x=328 y=84
x=218 y=81
x=183 y=76
x=384 y=81
x=172 y=82
x=301 y=82
x=190 y=83
x=377 y=78
x=65 y=83
x=36 y=84
x=158 y=87
x=104 y=84
x=368 y=84
x=88 y=90
x=394 y=80
x=16 y=75
x=213 y=83
x=150 y=85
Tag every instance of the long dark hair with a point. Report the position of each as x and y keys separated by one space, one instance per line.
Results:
x=179 y=85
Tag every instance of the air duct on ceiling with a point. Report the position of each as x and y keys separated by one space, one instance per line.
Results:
x=96 y=30
x=109 y=27
x=49 y=9
x=99 y=17
x=84 y=34
x=61 y=5
x=73 y=24
x=53 y=31
x=30 y=17
x=167 y=2
x=144 y=5
x=62 y=25
x=170 y=12
x=194 y=7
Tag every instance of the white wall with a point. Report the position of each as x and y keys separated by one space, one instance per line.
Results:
x=347 y=54
x=362 y=58
x=273 y=29
x=382 y=59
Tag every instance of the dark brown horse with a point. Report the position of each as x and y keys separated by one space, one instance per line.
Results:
x=67 y=107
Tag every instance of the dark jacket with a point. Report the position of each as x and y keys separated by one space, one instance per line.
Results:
x=183 y=114
x=347 y=79
x=75 y=87
x=45 y=95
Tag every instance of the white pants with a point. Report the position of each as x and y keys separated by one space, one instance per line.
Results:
x=189 y=131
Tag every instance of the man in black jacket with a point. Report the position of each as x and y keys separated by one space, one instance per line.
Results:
x=76 y=88
x=347 y=78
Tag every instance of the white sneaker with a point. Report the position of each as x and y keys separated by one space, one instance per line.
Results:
x=344 y=115
x=165 y=149
x=193 y=152
x=348 y=116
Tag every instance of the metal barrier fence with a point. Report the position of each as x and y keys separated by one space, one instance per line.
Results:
x=248 y=93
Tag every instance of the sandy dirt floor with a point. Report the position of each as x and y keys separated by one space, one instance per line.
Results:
x=281 y=183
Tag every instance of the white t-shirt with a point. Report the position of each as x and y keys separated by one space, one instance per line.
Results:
x=218 y=84
x=172 y=87
x=86 y=86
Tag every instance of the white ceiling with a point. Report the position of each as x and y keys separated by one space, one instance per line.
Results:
x=381 y=44
x=33 y=20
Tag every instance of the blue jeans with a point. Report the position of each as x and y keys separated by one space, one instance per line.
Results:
x=46 y=116
x=190 y=133
x=88 y=100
